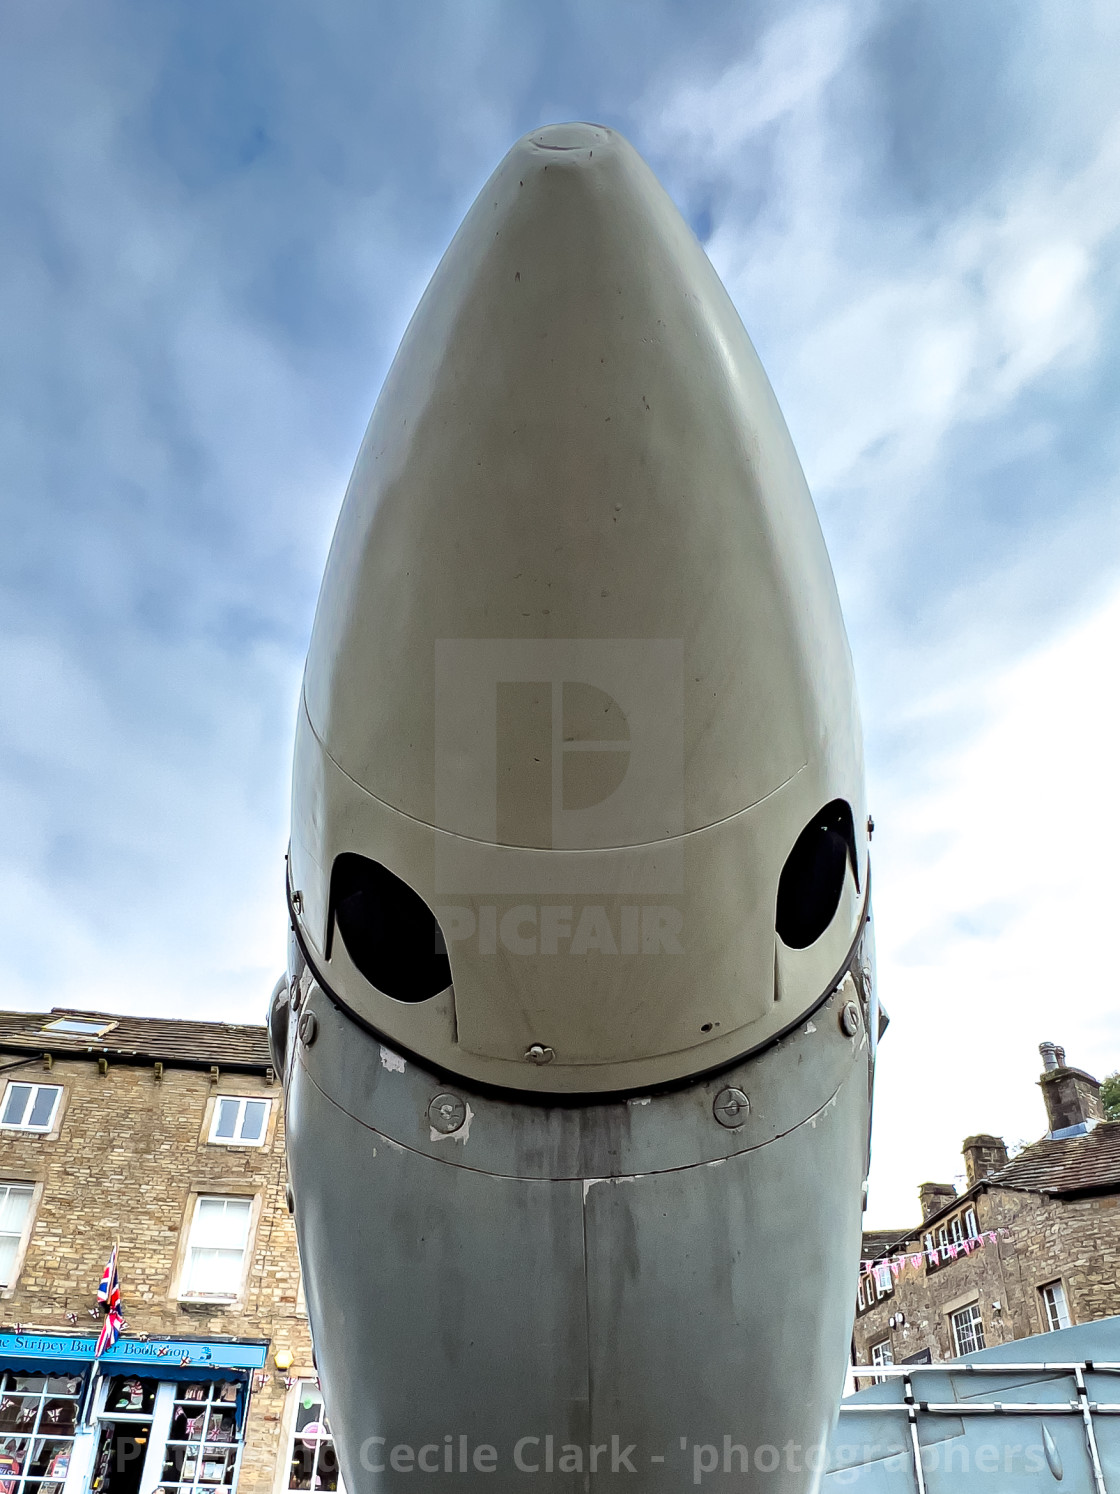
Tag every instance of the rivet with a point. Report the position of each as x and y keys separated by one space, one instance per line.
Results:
x=539 y=1053
x=731 y=1108
x=308 y=1028
x=447 y=1113
x=849 y=1019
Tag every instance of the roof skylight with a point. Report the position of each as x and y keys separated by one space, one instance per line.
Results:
x=79 y=1026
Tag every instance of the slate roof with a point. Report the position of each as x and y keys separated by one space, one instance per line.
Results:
x=139 y=1040
x=877 y=1242
x=1073 y=1164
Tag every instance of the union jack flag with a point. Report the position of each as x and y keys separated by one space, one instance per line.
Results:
x=109 y=1295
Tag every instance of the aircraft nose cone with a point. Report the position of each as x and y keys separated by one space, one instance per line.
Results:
x=576 y=440
x=578 y=602
x=569 y=137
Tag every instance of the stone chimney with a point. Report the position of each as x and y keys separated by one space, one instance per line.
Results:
x=1073 y=1097
x=983 y=1155
x=935 y=1197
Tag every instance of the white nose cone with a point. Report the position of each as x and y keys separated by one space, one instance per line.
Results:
x=578 y=676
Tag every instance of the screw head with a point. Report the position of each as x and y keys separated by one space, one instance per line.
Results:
x=308 y=1028
x=731 y=1108
x=539 y=1053
x=849 y=1019
x=447 y=1114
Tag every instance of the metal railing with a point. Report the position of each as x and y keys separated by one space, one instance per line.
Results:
x=1080 y=1406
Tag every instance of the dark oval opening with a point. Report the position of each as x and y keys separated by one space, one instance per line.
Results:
x=389 y=931
x=813 y=877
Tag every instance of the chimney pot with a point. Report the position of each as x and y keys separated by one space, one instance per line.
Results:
x=1073 y=1097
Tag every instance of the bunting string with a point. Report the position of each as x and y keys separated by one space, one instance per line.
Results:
x=886 y=1267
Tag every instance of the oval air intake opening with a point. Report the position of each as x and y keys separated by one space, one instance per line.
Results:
x=813 y=877
x=389 y=931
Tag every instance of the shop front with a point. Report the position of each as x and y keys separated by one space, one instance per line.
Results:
x=153 y=1416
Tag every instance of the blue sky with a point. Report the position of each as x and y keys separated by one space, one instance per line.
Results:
x=216 y=223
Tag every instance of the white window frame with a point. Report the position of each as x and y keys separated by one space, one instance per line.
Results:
x=33 y=1192
x=967 y=1322
x=237 y=1139
x=196 y=1450
x=882 y=1353
x=971 y=1230
x=29 y=1107
x=1055 y=1306
x=327 y=1437
x=185 y=1273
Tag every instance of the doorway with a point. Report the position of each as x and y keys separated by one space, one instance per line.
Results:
x=125 y=1429
x=121 y=1450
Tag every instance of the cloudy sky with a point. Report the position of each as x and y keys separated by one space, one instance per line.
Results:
x=216 y=220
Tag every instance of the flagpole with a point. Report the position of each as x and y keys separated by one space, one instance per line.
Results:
x=112 y=1273
x=86 y=1423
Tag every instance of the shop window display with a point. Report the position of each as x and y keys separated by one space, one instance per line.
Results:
x=38 y=1415
x=205 y=1440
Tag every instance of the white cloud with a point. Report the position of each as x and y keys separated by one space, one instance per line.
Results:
x=886 y=326
x=712 y=118
x=997 y=885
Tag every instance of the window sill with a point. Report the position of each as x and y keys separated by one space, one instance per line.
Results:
x=192 y=1301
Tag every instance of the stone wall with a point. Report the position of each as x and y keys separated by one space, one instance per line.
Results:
x=1075 y=1241
x=126 y=1159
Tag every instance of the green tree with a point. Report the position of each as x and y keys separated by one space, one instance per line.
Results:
x=1110 y=1097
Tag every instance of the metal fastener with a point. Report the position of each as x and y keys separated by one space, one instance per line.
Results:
x=447 y=1114
x=308 y=1028
x=539 y=1053
x=731 y=1108
x=849 y=1019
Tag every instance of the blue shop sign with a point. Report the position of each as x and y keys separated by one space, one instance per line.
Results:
x=164 y=1358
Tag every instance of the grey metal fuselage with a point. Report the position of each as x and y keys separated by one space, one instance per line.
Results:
x=579 y=1025
x=555 y=1278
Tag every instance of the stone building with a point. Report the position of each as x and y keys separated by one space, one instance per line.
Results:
x=1031 y=1244
x=166 y=1138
